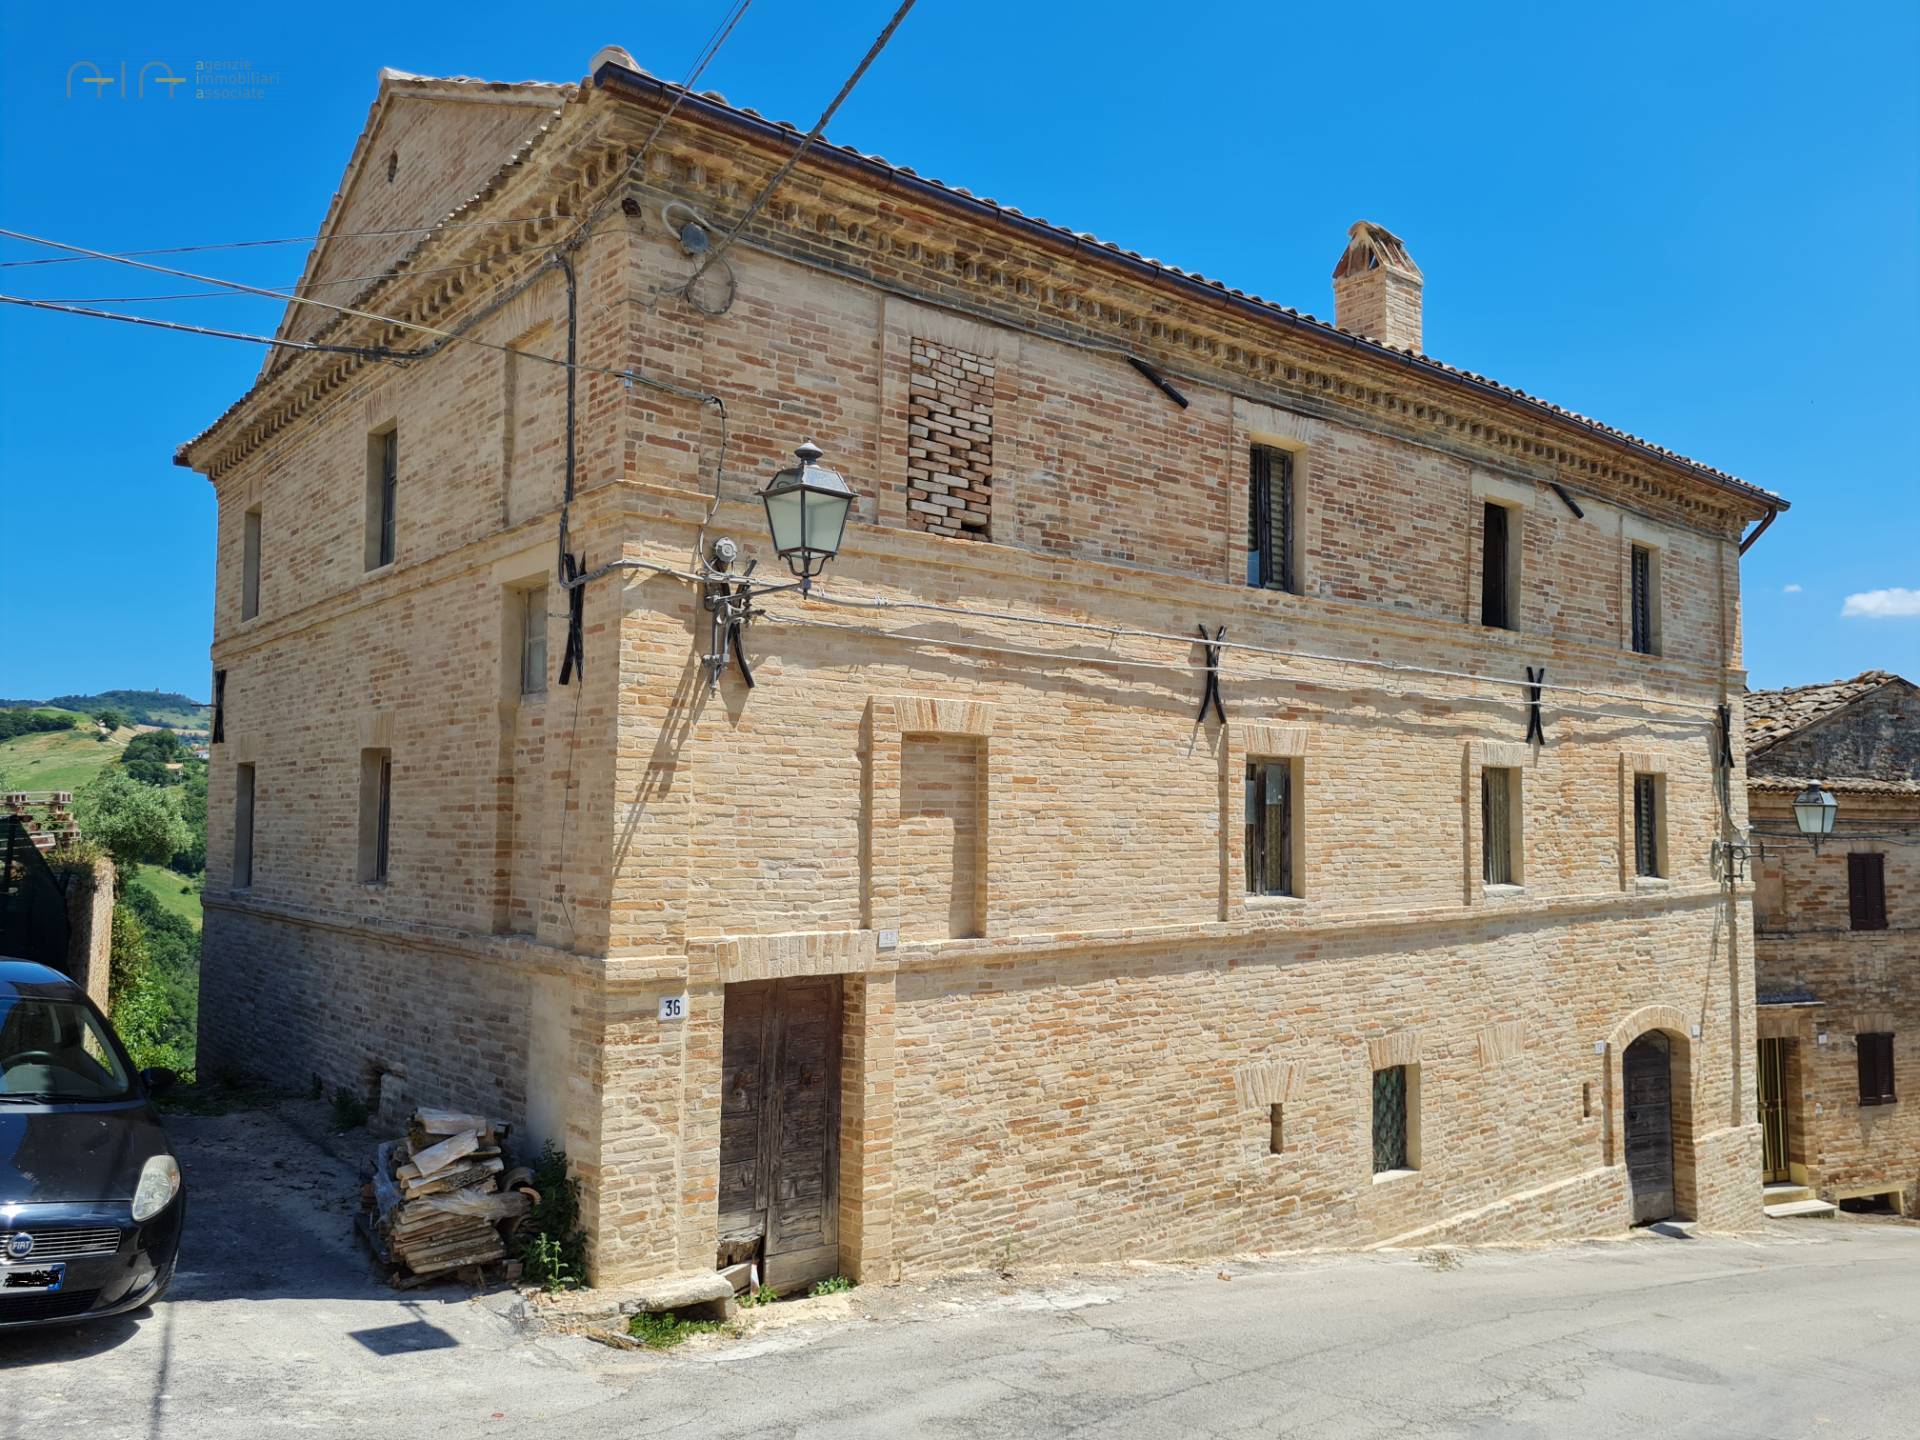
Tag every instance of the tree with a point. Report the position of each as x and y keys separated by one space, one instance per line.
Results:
x=134 y=822
x=110 y=717
x=148 y=755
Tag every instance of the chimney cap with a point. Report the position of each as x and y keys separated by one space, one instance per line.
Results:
x=1374 y=247
x=611 y=54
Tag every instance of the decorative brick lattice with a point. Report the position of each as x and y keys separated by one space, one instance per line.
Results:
x=950 y=442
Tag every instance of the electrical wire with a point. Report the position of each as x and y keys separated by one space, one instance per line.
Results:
x=766 y=191
x=364 y=352
x=254 y=244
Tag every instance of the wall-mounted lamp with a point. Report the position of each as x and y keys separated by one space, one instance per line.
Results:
x=1814 y=809
x=807 y=507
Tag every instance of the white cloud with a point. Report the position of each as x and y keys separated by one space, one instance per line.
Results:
x=1897 y=603
x=1789 y=589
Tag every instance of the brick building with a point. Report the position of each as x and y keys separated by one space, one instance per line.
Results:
x=1837 y=938
x=956 y=935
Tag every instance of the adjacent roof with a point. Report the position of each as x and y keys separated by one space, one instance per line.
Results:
x=1773 y=715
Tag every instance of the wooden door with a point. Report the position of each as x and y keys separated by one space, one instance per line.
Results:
x=780 y=1129
x=1776 y=1162
x=1649 y=1093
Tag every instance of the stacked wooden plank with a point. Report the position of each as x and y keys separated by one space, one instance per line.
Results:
x=440 y=1203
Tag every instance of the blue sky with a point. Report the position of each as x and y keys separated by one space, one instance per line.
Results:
x=1700 y=223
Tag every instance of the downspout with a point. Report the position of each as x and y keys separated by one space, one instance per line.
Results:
x=565 y=262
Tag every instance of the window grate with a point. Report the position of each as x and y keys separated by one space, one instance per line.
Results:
x=389 y=493
x=1390 y=1119
x=1270 y=828
x=1642 y=600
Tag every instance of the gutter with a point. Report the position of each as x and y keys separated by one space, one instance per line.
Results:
x=615 y=77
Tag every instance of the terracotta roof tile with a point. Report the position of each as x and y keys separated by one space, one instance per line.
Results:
x=1773 y=715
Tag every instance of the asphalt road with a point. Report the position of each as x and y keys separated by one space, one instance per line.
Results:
x=278 y=1327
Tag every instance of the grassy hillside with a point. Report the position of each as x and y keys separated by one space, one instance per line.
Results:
x=60 y=760
x=141 y=707
x=178 y=894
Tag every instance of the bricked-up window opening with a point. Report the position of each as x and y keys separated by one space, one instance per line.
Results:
x=242 y=826
x=533 y=640
x=1867 y=892
x=250 y=565
x=1646 y=636
x=1390 y=1149
x=950 y=442
x=1876 y=1068
x=1276 y=1132
x=1497 y=563
x=219 y=733
x=376 y=811
x=383 y=495
x=1270 y=850
x=1499 y=788
x=1646 y=826
x=1270 y=536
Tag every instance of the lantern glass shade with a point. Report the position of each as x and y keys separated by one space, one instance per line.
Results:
x=807 y=506
x=1814 y=809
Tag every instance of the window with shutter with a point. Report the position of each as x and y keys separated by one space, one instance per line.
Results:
x=1875 y=1052
x=1496 y=601
x=1496 y=825
x=1646 y=825
x=1867 y=892
x=1270 y=860
x=1642 y=600
x=1270 y=517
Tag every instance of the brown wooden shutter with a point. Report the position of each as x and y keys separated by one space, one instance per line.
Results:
x=1875 y=1056
x=1642 y=600
x=1646 y=839
x=1259 y=519
x=1280 y=501
x=1867 y=892
x=1493 y=570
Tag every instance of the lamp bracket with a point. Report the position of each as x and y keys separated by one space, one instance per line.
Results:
x=729 y=600
x=1731 y=858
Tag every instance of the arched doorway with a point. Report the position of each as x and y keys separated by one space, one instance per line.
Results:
x=1648 y=1083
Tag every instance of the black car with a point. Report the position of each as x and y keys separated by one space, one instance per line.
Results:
x=91 y=1200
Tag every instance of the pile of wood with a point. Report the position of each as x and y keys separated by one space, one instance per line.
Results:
x=443 y=1198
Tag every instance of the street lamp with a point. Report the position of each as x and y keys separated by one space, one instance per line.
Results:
x=1813 y=811
x=807 y=507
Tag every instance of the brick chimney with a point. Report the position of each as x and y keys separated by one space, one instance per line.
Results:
x=1376 y=287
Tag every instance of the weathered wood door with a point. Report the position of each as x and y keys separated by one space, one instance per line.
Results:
x=780 y=1129
x=1776 y=1162
x=1648 y=1079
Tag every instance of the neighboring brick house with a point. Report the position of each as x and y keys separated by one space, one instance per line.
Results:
x=1837 y=937
x=957 y=935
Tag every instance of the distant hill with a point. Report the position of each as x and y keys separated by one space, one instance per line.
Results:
x=60 y=759
x=141 y=707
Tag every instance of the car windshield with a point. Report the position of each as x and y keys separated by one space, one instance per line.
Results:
x=57 y=1050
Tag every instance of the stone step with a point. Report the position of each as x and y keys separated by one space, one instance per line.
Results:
x=1781 y=1193
x=1792 y=1209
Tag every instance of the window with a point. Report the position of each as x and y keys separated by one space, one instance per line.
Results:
x=242 y=826
x=1272 y=851
x=533 y=641
x=1649 y=854
x=1394 y=1145
x=1500 y=825
x=1499 y=569
x=219 y=733
x=1867 y=892
x=1646 y=600
x=383 y=487
x=376 y=808
x=1270 y=538
x=1276 y=1135
x=250 y=566
x=1876 y=1068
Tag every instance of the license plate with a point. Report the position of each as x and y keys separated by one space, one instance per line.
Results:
x=44 y=1278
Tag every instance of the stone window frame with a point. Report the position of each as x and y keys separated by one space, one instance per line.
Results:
x=1240 y=744
x=1634 y=533
x=1476 y=756
x=380 y=542
x=890 y=719
x=252 y=546
x=246 y=790
x=375 y=830
x=1398 y=1049
x=1516 y=497
x=1263 y=1090
x=1635 y=763
x=1305 y=440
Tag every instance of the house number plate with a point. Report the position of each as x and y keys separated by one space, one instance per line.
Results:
x=673 y=1007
